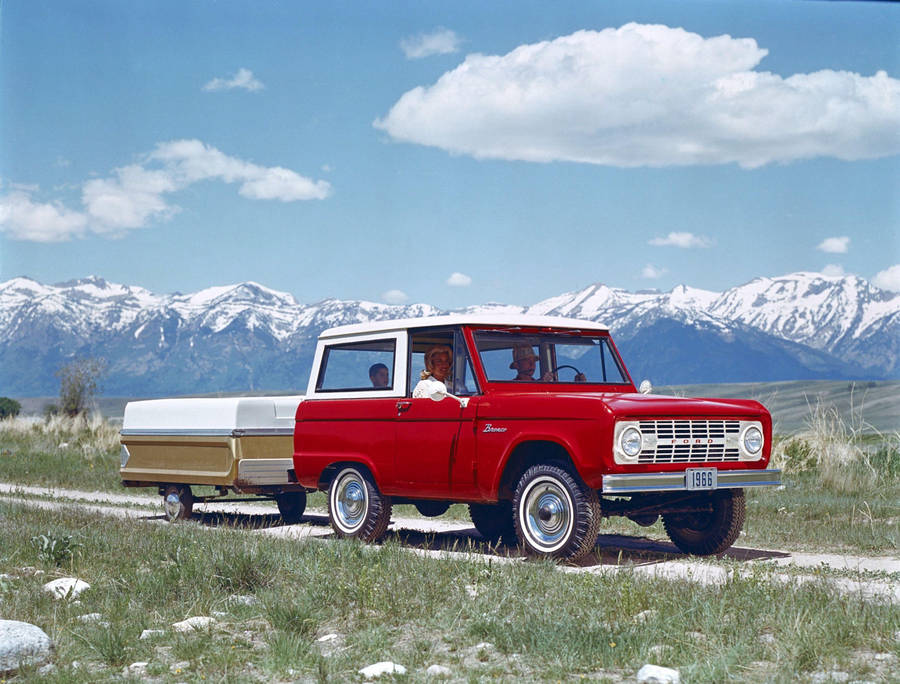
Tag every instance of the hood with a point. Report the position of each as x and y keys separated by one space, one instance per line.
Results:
x=661 y=406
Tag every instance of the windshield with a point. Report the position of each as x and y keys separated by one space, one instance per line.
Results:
x=548 y=357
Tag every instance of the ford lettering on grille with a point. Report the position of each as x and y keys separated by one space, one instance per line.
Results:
x=684 y=441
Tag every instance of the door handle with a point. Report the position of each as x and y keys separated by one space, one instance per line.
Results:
x=403 y=406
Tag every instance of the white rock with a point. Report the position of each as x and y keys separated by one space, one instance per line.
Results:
x=438 y=671
x=243 y=600
x=47 y=670
x=767 y=638
x=884 y=657
x=194 y=623
x=21 y=642
x=382 y=668
x=471 y=591
x=659 y=650
x=91 y=617
x=180 y=666
x=138 y=668
x=219 y=614
x=66 y=587
x=653 y=674
x=327 y=637
x=646 y=615
x=484 y=646
x=150 y=633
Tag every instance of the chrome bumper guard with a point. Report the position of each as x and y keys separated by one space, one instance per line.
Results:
x=634 y=483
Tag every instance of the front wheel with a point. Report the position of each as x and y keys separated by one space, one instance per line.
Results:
x=178 y=502
x=355 y=506
x=705 y=533
x=291 y=505
x=556 y=514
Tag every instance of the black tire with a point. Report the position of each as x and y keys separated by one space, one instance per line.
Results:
x=291 y=505
x=178 y=502
x=556 y=514
x=494 y=522
x=705 y=534
x=432 y=509
x=356 y=508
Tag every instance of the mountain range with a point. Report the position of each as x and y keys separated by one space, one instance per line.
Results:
x=247 y=337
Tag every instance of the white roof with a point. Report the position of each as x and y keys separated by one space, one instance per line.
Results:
x=518 y=320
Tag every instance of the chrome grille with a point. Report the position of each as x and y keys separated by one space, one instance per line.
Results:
x=689 y=441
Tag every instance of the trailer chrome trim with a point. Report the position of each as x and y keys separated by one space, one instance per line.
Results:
x=265 y=471
x=634 y=483
x=241 y=432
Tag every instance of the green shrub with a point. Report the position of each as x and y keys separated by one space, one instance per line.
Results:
x=9 y=408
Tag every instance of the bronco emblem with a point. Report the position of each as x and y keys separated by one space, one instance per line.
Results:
x=491 y=428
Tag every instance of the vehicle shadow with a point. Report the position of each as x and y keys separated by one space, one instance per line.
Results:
x=611 y=549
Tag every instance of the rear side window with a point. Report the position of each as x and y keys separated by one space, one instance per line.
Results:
x=357 y=366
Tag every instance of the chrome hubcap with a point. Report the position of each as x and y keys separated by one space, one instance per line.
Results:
x=547 y=514
x=350 y=501
x=172 y=505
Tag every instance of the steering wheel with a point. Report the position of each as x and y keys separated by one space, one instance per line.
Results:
x=558 y=368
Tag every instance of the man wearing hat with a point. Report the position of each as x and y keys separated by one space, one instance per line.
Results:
x=525 y=361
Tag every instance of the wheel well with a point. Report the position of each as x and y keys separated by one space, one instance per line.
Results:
x=526 y=455
x=333 y=469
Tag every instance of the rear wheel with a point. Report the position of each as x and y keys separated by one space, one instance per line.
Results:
x=494 y=522
x=556 y=514
x=708 y=532
x=178 y=502
x=355 y=506
x=291 y=505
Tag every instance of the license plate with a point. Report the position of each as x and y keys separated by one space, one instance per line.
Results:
x=700 y=478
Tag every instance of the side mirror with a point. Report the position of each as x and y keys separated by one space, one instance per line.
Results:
x=439 y=392
x=645 y=387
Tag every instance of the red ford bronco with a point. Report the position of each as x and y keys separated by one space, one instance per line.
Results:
x=535 y=423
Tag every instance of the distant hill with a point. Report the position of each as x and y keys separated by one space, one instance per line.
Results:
x=246 y=337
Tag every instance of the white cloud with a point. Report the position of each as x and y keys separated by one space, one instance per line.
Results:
x=457 y=279
x=244 y=79
x=647 y=95
x=394 y=296
x=439 y=42
x=834 y=271
x=888 y=279
x=683 y=240
x=652 y=272
x=134 y=195
x=835 y=245
x=23 y=219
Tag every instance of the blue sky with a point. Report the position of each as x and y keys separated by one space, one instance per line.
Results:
x=448 y=153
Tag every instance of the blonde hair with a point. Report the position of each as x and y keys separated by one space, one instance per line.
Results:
x=429 y=356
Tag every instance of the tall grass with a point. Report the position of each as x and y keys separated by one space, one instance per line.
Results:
x=80 y=451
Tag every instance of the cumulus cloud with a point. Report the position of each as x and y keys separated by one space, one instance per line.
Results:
x=835 y=245
x=243 y=79
x=458 y=279
x=647 y=95
x=683 y=240
x=888 y=279
x=651 y=272
x=394 y=296
x=134 y=195
x=439 y=42
x=23 y=219
x=834 y=271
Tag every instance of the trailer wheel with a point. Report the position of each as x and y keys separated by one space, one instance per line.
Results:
x=705 y=534
x=355 y=506
x=494 y=522
x=178 y=502
x=291 y=505
x=556 y=514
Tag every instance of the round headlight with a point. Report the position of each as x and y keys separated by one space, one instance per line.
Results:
x=630 y=442
x=752 y=439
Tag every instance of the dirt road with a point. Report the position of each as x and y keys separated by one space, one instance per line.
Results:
x=873 y=578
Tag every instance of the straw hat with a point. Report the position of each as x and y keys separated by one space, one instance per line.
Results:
x=522 y=351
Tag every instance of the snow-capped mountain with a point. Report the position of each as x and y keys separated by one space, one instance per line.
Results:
x=249 y=337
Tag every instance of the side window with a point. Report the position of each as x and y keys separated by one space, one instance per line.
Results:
x=464 y=383
x=357 y=366
x=423 y=342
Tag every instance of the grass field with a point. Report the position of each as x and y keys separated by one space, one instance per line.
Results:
x=272 y=599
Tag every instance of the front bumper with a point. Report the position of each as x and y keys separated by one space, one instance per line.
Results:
x=634 y=483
